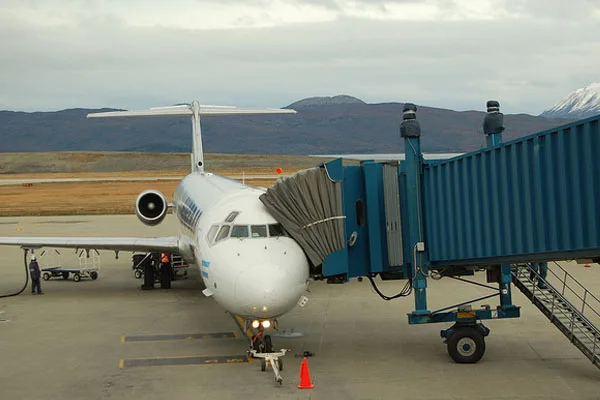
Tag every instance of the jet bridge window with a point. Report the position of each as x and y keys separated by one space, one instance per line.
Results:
x=223 y=233
x=240 y=231
x=259 y=231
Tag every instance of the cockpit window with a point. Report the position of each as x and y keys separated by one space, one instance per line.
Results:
x=240 y=231
x=276 y=230
x=211 y=233
x=259 y=231
x=233 y=215
x=223 y=233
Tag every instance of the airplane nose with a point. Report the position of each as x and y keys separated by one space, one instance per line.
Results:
x=266 y=290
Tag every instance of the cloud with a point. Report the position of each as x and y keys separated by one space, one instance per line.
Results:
x=118 y=54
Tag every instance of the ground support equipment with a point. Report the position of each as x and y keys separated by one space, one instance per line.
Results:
x=77 y=273
x=273 y=358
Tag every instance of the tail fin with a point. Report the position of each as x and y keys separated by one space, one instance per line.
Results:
x=194 y=110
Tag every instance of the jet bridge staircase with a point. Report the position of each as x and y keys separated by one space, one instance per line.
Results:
x=566 y=303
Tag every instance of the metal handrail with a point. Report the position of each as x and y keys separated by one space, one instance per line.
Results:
x=561 y=295
x=586 y=293
x=594 y=335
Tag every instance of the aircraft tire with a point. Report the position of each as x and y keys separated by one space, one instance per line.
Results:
x=268 y=344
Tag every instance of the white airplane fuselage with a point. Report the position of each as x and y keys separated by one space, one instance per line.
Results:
x=251 y=267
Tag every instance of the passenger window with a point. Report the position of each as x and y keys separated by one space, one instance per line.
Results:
x=233 y=215
x=276 y=230
x=223 y=233
x=211 y=233
x=239 y=231
x=259 y=231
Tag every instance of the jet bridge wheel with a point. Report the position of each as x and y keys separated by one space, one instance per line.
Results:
x=466 y=345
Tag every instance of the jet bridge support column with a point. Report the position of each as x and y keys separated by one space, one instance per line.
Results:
x=410 y=130
x=493 y=126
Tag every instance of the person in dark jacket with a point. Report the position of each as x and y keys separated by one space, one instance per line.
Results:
x=34 y=272
x=542 y=269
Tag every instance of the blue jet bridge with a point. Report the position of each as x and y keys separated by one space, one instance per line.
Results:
x=503 y=209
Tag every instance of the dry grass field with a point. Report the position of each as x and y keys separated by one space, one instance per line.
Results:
x=117 y=197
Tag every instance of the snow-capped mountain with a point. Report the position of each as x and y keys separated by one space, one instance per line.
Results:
x=582 y=103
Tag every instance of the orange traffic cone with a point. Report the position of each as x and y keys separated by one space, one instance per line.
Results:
x=587 y=265
x=304 y=376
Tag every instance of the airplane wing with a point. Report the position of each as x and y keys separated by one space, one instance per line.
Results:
x=170 y=244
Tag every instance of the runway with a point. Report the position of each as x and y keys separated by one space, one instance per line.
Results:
x=79 y=339
x=21 y=181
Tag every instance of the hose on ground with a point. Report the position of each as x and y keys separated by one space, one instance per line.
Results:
x=26 y=278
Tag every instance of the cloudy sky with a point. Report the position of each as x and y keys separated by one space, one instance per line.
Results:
x=456 y=54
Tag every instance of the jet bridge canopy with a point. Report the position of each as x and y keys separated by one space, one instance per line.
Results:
x=309 y=206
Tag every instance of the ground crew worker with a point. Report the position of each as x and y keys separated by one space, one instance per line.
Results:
x=165 y=271
x=542 y=269
x=34 y=272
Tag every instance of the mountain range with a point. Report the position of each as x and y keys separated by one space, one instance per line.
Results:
x=581 y=103
x=323 y=125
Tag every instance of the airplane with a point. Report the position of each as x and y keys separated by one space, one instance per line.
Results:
x=248 y=263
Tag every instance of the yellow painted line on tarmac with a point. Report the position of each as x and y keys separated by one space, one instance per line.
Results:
x=182 y=361
x=177 y=336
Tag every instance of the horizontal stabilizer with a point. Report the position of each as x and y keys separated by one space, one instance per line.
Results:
x=183 y=110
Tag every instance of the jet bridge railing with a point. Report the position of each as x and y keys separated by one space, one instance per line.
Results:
x=578 y=295
x=566 y=303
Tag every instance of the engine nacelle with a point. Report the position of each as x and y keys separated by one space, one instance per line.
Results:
x=151 y=207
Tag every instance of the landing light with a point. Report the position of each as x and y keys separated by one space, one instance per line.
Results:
x=255 y=324
x=266 y=323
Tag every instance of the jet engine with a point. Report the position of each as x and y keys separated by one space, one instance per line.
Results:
x=151 y=207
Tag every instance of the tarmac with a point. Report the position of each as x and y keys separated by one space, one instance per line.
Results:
x=93 y=339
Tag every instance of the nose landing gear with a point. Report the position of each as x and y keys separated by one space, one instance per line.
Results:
x=261 y=347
